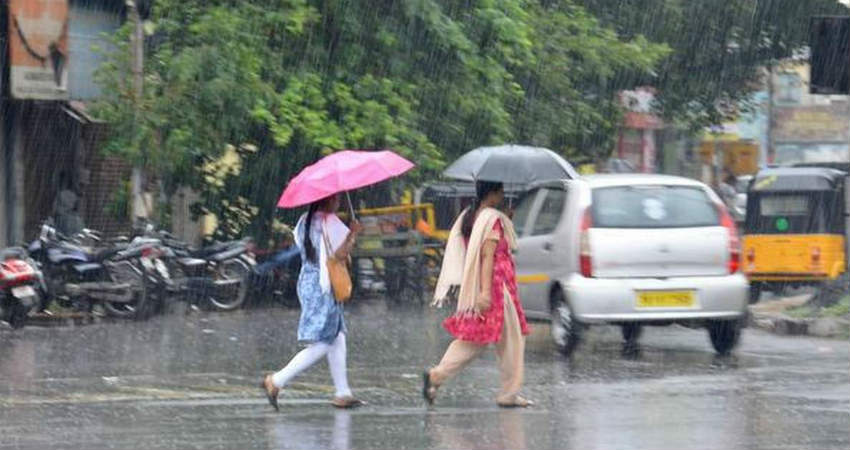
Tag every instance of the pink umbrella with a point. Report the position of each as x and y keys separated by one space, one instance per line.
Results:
x=340 y=172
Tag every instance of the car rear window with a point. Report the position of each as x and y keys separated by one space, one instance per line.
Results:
x=653 y=207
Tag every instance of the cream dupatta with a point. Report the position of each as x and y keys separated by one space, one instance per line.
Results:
x=462 y=263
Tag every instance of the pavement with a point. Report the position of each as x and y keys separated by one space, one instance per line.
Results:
x=771 y=314
x=189 y=381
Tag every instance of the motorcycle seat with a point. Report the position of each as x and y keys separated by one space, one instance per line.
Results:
x=213 y=249
x=87 y=267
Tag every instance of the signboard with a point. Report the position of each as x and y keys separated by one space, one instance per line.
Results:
x=739 y=157
x=38 y=49
x=819 y=123
x=639 y=113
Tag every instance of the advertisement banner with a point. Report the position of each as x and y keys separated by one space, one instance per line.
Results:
x=38 y=49
x=818 y=123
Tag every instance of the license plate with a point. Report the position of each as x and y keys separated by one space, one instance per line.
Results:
x=666 y=299
x=23 y=292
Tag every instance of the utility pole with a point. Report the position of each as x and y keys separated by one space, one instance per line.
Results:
x=770 y=157
x=138 y=206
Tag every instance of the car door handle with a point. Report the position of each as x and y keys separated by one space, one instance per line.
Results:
x=547 y=246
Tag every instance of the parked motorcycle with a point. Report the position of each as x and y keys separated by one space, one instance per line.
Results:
x=119 y=276
x=216 y=276
x=275 y=278
x=21 y=286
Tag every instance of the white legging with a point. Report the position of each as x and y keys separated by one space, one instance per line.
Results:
x=311 y=355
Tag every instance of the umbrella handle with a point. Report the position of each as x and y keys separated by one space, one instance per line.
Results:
x=350 y=206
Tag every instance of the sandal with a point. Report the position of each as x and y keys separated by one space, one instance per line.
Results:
x=346 y=402
x=518 y=402
x=429 y=391
x=272 y=391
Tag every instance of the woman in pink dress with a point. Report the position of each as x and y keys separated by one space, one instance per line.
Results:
x=479 y=266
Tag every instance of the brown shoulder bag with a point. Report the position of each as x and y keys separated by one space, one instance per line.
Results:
x=338 y=272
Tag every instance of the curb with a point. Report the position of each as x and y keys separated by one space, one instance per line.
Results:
x=781 y=324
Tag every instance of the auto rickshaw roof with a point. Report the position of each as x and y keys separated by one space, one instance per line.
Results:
x=789 y=179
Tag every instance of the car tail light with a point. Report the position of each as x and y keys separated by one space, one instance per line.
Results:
x=585 y=261
x=727 y=222
x=815 y=256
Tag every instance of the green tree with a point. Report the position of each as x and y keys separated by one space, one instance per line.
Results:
x=718 y=47
x=301 y=78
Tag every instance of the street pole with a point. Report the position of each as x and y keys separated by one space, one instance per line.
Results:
x=769 y=158
x=137 y=179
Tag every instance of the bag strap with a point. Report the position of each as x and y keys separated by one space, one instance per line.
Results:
x=327 y=239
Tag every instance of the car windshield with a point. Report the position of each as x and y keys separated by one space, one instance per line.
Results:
x=652 y=207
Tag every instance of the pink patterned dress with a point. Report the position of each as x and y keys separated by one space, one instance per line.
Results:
x=487 y=328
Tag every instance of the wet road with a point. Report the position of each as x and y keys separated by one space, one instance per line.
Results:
x=190 y=381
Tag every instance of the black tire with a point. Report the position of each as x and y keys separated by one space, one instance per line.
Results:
x=17 y=315
x=230 y=298
x=755 y=292
x=125 y=272
x=725 y=334
x=156 y=295
x=138 y=308
x=631 y=333
x=416 y=279
x=830 y=292
x=566 y=331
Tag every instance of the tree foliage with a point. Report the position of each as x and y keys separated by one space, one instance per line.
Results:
x=718 y=47
x=300 y=78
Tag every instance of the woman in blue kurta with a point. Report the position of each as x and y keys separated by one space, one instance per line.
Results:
x=322 y=325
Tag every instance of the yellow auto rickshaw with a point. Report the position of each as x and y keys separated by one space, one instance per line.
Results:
x=794 y=231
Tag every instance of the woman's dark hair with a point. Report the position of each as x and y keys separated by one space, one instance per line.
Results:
x=482 y=189
x=309 y=249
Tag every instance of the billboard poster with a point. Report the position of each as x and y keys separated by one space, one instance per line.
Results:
x=38 y=49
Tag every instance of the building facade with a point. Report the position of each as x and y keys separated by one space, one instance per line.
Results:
x=48 y=141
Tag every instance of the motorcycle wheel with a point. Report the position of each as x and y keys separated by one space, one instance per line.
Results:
x=230 y=297
x=18 y=316
x=14 y=313
x=138 y=308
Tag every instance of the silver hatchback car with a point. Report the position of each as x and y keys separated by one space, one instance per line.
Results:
x=630 y=250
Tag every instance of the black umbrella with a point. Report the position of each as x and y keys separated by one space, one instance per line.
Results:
x=511 y=164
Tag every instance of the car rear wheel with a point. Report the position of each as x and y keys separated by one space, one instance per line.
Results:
x=725 y=334
x=565 y=330
x=631 y=334
x=755 y=292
